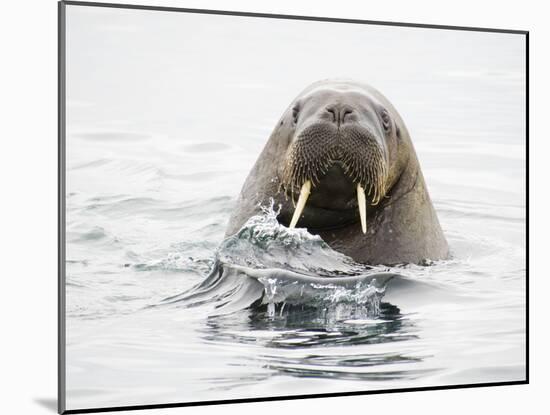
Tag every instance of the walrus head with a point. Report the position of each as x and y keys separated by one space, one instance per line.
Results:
x=340 y=162
x=342 y=157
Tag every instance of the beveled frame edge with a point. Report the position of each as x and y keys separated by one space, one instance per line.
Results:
x=61 y=130
x=291 y=17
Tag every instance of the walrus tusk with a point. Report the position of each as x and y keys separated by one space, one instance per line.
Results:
x=362 y=202
x=304 y=194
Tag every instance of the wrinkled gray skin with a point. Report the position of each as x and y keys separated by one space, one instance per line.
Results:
x=402 y=228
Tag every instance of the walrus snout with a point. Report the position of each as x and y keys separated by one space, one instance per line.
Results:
x=340 y=113
x=342 y=159
x=318 y=147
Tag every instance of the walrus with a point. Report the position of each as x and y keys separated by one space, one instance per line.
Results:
x=340 y=162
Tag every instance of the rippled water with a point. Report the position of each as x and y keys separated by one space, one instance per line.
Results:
x=160 y=308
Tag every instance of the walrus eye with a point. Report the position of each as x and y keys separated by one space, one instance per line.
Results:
x=386 y=121
x=295 y=113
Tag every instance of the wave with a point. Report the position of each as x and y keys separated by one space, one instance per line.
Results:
x=268 y=264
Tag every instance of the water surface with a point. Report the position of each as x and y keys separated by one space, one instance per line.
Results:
x=166 y=114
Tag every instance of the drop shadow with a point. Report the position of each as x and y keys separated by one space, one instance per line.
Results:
x=47 y=403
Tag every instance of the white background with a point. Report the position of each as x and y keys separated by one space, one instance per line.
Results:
x=28 y=204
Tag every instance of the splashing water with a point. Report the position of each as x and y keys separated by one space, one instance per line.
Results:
x=268 y=264
x=264 y=243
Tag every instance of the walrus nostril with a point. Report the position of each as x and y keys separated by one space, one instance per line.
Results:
x=334 y=114
x=339 y=113
x=344 y=113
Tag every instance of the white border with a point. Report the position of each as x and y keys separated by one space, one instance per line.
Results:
x=28 y=209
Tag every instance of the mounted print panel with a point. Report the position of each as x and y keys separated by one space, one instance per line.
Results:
x=258 y=207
